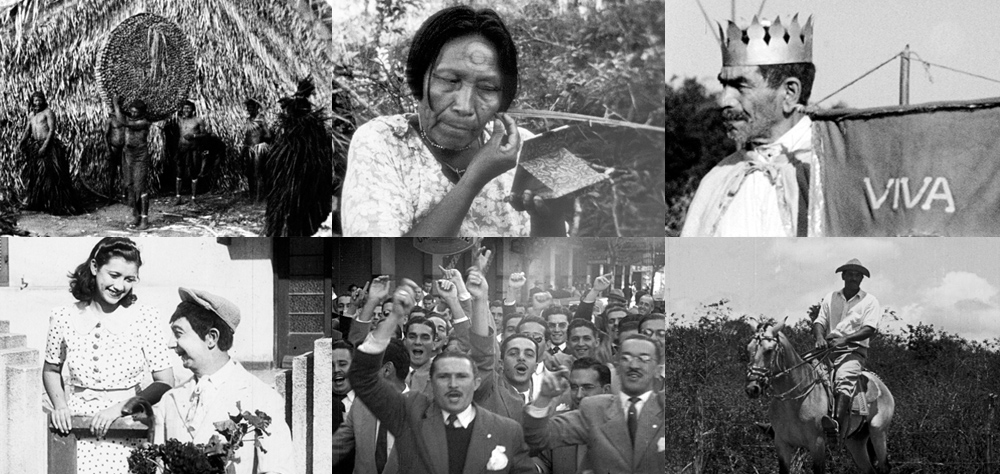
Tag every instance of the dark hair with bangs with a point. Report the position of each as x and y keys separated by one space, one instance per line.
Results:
x=83 y=284
x=456 y=22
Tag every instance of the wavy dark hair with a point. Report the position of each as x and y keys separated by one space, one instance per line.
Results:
x=83 y=284
x=456 y=22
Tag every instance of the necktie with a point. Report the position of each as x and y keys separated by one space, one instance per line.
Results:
x=381 y=444
x=453 y=421
x=633 y=418
x=193 y=411
x=554 y=350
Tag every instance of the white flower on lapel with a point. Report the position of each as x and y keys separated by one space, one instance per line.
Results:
x=498 y=460
x=661 y=445
x=562 y=407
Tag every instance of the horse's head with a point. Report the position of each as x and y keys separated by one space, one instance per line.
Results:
x=764 y=350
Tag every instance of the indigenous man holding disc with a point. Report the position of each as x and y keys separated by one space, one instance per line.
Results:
x=769 y=187
x=136 y=154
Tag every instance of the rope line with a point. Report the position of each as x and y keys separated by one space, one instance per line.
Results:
x=849 y=84
x=915 y=57
x=956 y=70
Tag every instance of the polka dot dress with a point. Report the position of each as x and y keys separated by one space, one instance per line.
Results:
x=104 y=352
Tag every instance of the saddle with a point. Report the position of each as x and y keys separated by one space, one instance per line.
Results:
x=863 y=397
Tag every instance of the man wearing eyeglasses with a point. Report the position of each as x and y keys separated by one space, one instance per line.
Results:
x=654 y=325
x=623 y=433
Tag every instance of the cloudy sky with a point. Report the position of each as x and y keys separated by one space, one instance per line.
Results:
x=852 y=37
x=952 y=283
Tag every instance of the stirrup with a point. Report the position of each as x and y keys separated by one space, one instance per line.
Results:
x=831 y=428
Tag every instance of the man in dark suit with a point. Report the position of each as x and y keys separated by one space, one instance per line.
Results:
x=446 y=433
x=624 y=433
x=363 y=434
x=587 y=378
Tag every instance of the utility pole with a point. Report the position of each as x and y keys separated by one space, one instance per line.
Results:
x=904 y=77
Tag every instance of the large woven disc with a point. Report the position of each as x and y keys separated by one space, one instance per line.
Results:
x=147 y=57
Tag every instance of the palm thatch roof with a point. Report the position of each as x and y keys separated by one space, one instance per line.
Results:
x=243 y=48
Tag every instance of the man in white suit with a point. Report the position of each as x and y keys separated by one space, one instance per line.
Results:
x=203 y=326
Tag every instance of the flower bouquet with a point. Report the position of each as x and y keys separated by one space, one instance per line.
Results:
x=175 y=457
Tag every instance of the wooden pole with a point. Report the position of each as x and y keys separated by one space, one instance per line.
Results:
x=904 y=77
x=732 y=10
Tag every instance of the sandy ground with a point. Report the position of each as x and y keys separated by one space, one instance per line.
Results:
x=212 y=215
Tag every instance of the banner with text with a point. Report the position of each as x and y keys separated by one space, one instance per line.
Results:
x=931 y=169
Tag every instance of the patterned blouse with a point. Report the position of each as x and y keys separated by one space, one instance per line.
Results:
x=393 y=181
x=110 y=352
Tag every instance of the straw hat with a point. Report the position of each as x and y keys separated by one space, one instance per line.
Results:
x=854 y=265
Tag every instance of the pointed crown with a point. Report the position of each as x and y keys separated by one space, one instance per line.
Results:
x=762 y=44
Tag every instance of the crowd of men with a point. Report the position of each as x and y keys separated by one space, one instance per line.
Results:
x=442 y=378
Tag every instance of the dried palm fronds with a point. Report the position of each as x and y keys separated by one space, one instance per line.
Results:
x=299 y=169
x=242 y=48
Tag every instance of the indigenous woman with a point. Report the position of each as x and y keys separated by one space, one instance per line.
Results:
x=448 y=169
x=110 y=343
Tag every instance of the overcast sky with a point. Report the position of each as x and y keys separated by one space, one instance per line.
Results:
x=952 y=283
x=853 y=36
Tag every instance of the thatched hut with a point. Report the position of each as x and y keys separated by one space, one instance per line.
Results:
x=244 y=48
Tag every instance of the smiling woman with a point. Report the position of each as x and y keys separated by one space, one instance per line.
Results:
x=448 y=169
x=110 y=344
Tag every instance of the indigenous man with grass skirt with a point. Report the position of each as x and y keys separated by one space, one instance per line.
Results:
x=300 y=168
x=48 y=184
x=256 y=137
x=136 y=159
x=190 y=163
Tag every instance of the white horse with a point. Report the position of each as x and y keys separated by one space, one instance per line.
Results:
x=800 y=399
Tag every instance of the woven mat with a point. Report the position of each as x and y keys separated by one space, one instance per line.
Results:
x=147 y=57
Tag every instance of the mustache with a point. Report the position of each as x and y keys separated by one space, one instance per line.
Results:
x=731 y=115
x=634 y=372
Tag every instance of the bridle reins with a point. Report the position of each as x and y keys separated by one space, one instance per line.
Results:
x=766 y=377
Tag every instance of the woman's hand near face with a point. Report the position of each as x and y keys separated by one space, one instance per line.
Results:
x=499 y=155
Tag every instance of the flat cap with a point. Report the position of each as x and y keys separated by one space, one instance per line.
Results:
x=216 y=304
x=616 y=295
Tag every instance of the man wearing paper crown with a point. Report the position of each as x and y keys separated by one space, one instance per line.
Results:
x=769 y=187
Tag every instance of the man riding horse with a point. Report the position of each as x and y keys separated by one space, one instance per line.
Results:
x=846 y=321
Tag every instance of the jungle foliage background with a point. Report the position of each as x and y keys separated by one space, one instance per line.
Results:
x=575 y=56
x=945 y=389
